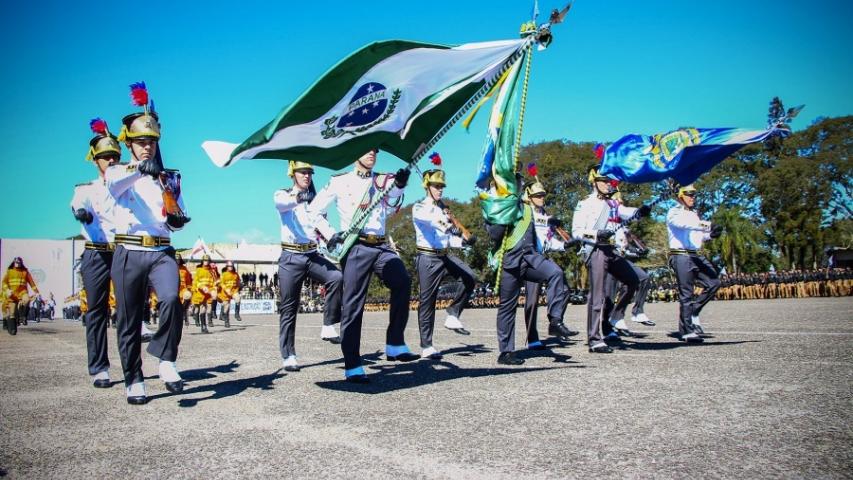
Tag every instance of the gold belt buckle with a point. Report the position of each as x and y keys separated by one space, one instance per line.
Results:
x=148 y=241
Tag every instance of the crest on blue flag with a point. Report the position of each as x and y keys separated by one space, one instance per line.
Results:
x=368 y=104
x=682 y=154
x=664 y=148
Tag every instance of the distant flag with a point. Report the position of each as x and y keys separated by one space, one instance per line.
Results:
x=683 y=154
x=395 y=95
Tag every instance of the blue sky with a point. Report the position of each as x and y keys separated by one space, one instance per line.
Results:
x=220 y=70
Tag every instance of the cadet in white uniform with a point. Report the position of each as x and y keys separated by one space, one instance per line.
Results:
x=435 y=234
x=144 y=255
x=547 y=240
x=595 y=221
x=93 y=206
x=686 y=234
x=352 y=192
x=299 y=258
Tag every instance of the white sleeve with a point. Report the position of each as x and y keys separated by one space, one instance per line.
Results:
x=121 y=178
x=428 y=219
x=555 y=244
x=678 y=219
x=580 y=220
x=318 y=207
x=626 y=213
x=284 y=200
x=80 y=199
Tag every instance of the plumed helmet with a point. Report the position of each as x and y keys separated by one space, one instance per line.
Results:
x=685 y=191
x=534 y=188
x=103 y=143
x=435 y=177
x=145 y=124
x=293 y=166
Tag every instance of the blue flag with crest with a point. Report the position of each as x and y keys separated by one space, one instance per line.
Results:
x=682 y=154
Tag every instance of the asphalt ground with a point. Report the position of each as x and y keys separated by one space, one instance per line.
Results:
x=768 y=395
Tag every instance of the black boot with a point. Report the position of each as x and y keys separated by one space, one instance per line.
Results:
x=204 y=324
x=195 y=319
x=237 y=312
x=560 y=330
x=12 y=324
x=209 y=320
x=24 y=311
x=186 y=319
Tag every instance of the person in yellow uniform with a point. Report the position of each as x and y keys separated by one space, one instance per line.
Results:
x=185 y=294
x=214 y=297
x=111 y=301
x=203 y=286
x=16 y=285
x=152 y=305
x=84 y=304
x=228 y=291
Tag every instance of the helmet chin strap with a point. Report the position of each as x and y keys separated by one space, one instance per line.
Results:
x=367 y=170
x=429 y=192
x=607 y=194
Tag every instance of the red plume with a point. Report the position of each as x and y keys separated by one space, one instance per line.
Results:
x=532 y=170
x=139 y=94
x=98 y=126
x=435 y=158
x=599 y=151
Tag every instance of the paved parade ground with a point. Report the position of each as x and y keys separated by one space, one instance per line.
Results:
x=767 y=395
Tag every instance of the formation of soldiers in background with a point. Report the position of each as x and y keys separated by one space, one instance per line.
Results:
x=835 y=282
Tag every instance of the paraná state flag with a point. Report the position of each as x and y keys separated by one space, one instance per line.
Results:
x=394 y=95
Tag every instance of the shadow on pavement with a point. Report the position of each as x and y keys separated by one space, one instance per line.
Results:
x=219 y=390
x=465 y=350
x=206 y=373
x=629 y=345
x=400 y=376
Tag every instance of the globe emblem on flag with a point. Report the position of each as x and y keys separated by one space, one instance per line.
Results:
x=367 y=104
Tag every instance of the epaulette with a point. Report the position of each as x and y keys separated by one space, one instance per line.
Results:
x=83 y=184
x=339 y=174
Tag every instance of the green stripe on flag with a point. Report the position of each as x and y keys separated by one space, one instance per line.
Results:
x=326 y=92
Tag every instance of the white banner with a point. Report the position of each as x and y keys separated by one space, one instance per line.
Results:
x=256 y=307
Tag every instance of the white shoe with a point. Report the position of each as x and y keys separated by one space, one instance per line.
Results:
x=101 y=379
x=328 y=331
x=290 y=364
x=698 y=325
x=169 y=372
x=691 y=337
x=428 y=352
x=642 y=318
x=621 y=325
x=136 y=394
x=452 y=322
